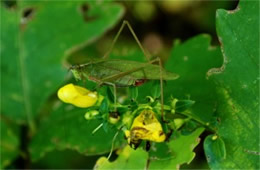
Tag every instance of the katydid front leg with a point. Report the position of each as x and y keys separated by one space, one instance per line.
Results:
x=114 y=88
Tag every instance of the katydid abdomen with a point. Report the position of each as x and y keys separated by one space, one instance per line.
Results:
x=122 y=73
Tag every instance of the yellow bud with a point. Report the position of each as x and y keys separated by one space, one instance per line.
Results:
x=214 y=137
x=114 y=120
x=90 y=114
x=178 y=123
x=78 y=96
x=173 y=103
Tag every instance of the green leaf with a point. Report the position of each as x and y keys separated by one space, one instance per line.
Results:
x=182 y=105
x=161 y=156
x=9 y=144
x=215 y=149
x=67 y=128
x=133 y=92
x=191 y=60
x=31 y=67
x=181 y=150
x=110 y=93
x=104 y=107
x=238 y=86
x=127 y=159
x=156 y=89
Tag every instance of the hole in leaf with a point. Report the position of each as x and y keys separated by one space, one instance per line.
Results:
x=9 y=4
x=28 y=12
x=84 y=9
x=219 y=120
x=27 y=15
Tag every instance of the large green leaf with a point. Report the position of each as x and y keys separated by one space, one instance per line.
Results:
x=191 y=60
x=32 y=48
x=9 y=144
x=181 y=149
x=67 y=128
x=238 y=86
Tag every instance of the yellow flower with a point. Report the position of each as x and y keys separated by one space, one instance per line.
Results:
x=78 y=96
x=145 y=127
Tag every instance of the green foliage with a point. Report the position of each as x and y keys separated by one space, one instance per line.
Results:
x=33 y=51
x=238 y=87
x=180 y=149
x=192 y=66
x=31 y=66
x=162 y=156
x=127 y=159
x=67 y=128
x=9 y=145
x=216 y=94
x=133 y=92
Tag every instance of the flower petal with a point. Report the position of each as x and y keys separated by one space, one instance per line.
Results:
x=77 y=96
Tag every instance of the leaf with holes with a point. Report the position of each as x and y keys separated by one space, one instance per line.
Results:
x=36 y=38
x=238 y=87
x=181 y=150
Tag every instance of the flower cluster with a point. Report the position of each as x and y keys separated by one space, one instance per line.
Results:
x=139 y=121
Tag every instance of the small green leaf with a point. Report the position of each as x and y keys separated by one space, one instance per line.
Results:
x=104 y=107
x=189 y=127
x=182 y=105
x=215 y=149
x=133 y=92
x=156 y=89
x=127 y=159
x=110 y=93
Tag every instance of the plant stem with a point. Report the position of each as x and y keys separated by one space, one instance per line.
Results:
x=206 y=125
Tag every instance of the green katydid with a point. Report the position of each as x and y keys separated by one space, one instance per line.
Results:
x=123 y=73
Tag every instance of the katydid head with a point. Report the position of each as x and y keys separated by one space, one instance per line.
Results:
x=80 y=72
x=75 y=71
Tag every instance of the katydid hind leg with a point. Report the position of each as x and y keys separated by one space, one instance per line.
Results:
x=161 y=84
x=126 y=23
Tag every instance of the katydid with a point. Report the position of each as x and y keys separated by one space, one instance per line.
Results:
x=123 y=73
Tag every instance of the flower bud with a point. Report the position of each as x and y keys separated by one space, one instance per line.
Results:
x=77 y=96
x=178 y=123
x=91 y=114
x=113 y=117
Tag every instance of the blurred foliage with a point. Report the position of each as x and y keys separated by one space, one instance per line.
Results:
x=41 y=39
